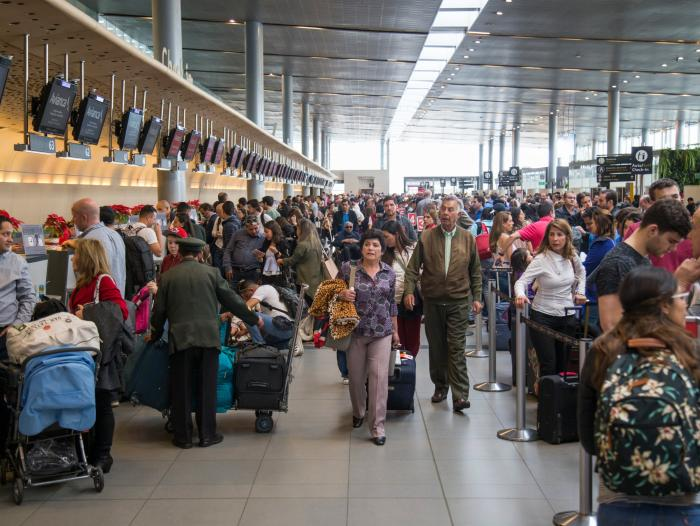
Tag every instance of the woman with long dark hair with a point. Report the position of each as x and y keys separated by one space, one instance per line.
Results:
x=397 y=255
x=648 y=349
x=183 y=221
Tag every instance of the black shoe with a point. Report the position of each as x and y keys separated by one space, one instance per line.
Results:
x=105 y=463
x=182 y=445
x=380 y=441
x=439 y=395
x=461 y=404
x=357 y=422
x=216 y=439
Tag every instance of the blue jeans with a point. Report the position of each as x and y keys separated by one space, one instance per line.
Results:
x=633 y=514
x=271 y=334
x=342 y=358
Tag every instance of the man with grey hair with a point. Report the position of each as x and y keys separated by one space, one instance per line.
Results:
x=427 y=200
x=451 y=273
x=86 y=217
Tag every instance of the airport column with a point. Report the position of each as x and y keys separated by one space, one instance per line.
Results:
x=594 y=148
x=317 y=139
x=501 y=152
x=490 y=162
x=645 y=136
x=167 y=48
x=516 y=146
x=324 y=148
x=613 y=121
x=480 y=175
x=254 y=92
x=287 y=119
x=305 y=118
x=552 y=166
x=680 y=134
x=382 y=164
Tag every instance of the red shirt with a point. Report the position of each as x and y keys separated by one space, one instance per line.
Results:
x=672 y=260
x=108 y=292
x=169 y=262
x=534 y=232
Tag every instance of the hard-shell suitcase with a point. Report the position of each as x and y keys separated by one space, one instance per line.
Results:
x=402 y=386
x=260 y=377
x=556 y=409
x=147 y=375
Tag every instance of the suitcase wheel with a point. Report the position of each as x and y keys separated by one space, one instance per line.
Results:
x=263 y=422
x=18 y=491
x=98 y=479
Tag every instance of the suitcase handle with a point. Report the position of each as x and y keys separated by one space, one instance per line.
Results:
x=258 y=385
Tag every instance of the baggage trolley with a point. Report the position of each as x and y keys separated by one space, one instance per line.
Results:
x=18 y=447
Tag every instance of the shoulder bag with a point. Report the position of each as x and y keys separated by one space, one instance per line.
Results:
x=344 y=343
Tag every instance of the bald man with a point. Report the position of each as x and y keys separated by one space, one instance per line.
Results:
x=86 y=217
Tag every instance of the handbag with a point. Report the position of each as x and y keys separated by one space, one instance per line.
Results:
x=330 y=269
x=482 y=243
x=142 y=316
x=342 y=344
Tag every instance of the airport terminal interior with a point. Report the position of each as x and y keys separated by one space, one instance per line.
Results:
x=141 y=102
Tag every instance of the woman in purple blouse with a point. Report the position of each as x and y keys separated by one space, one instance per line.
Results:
x=370 y=348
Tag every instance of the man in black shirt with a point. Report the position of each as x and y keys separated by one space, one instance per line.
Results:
x=664 y=225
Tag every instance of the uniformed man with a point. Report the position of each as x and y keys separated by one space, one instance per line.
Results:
x=188 y=299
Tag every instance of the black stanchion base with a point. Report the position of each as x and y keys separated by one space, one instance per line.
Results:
x=573 y=518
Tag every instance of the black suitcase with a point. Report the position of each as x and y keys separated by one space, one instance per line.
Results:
x=402 y=386
x=260 y=377
x=556 y=409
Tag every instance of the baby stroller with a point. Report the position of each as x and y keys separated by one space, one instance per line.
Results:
x=51 y=400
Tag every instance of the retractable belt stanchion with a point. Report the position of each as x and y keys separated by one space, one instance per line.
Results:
x=492 y=385
x=519 y=433
x=584 y=516
x=478 y=351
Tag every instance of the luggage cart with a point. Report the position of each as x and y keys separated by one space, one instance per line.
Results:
x=18 y=447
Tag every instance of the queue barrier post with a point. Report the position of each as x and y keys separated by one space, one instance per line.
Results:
x=584 y=516
x=519 y=433
x=478 y=351
x=492 y=385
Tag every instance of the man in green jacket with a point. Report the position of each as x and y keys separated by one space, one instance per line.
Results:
x=451 y=273
x=188 y=298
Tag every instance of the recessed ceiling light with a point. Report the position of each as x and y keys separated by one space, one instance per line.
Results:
x=231 y=21
x=466 y=56
x=636 y=76
x=499 y=13
x=442 y=87
x=477 y=41
x=664 y=65
x=625 y=81
x=595 y=94
x=697 y=50
x=613 y=86
x=587 y=98
x=457 y=69
x=679 y=58
x=471 y=50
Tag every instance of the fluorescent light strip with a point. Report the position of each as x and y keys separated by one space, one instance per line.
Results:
x=439 y=47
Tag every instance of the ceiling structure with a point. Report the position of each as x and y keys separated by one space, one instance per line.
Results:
x=352 y=59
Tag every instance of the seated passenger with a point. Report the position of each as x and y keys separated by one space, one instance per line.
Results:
x=346 y=242
x=635 y=378
x=279 y=325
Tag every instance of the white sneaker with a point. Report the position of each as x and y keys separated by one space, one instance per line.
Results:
x=346 y=381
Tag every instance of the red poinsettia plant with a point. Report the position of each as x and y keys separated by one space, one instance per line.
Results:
x=121 y=213
x=194 y=203
x=56 y=226
x=15 y=222
x=136 y=210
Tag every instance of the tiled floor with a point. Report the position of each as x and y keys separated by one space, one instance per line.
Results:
x=437 y=468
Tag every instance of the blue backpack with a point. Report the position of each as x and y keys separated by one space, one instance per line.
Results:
x=647 y=427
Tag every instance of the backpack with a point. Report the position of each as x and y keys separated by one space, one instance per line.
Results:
x=290 y=299
x=140 y=268
x=647 y=427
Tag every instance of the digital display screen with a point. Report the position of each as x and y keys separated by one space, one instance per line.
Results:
x=208 y=149
x=149 y=135
x=262 y=166
x=218 y=151
x=5 y=64
x=91 y=118
x=190 y=146
x=234 y=157
x=131 y=129
x=174 y=142
x=250 y=162
x=55 y=107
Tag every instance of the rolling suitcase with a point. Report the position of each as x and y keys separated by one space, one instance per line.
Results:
x=402 y=385
x=147 y=375
x=556 y=409
x=260 y=376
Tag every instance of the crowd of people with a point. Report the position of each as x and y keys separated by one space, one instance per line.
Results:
x=406 y=260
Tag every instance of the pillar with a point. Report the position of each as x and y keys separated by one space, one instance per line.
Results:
x=287 y=119
x=254 y=89
x=382 y=164
x=167 y=33
x=594 y=148
x=305 y=117
x=317 y=139
x=501 y=152
x=645 y=136
x=516 y=146
x=613 y=121
x=680 y=134
x=167 y=48
x=552 y=166
x=479 y=180
x=328 y=151
x=324 y=149
x=490 y=163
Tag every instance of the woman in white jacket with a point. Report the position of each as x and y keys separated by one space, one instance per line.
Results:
x=397 y=255
x=561 y=280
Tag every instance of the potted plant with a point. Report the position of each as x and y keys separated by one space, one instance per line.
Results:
x=55 y=229
x=121 y=214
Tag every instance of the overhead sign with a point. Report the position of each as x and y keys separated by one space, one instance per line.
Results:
x=510 y=177
x=488 y=177
x=442 y=182
x=614 y=169
x=642 y=157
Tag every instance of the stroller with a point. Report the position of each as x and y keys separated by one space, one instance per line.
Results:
x=51 y=402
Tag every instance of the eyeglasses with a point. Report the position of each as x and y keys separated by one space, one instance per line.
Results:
x=685 y=296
